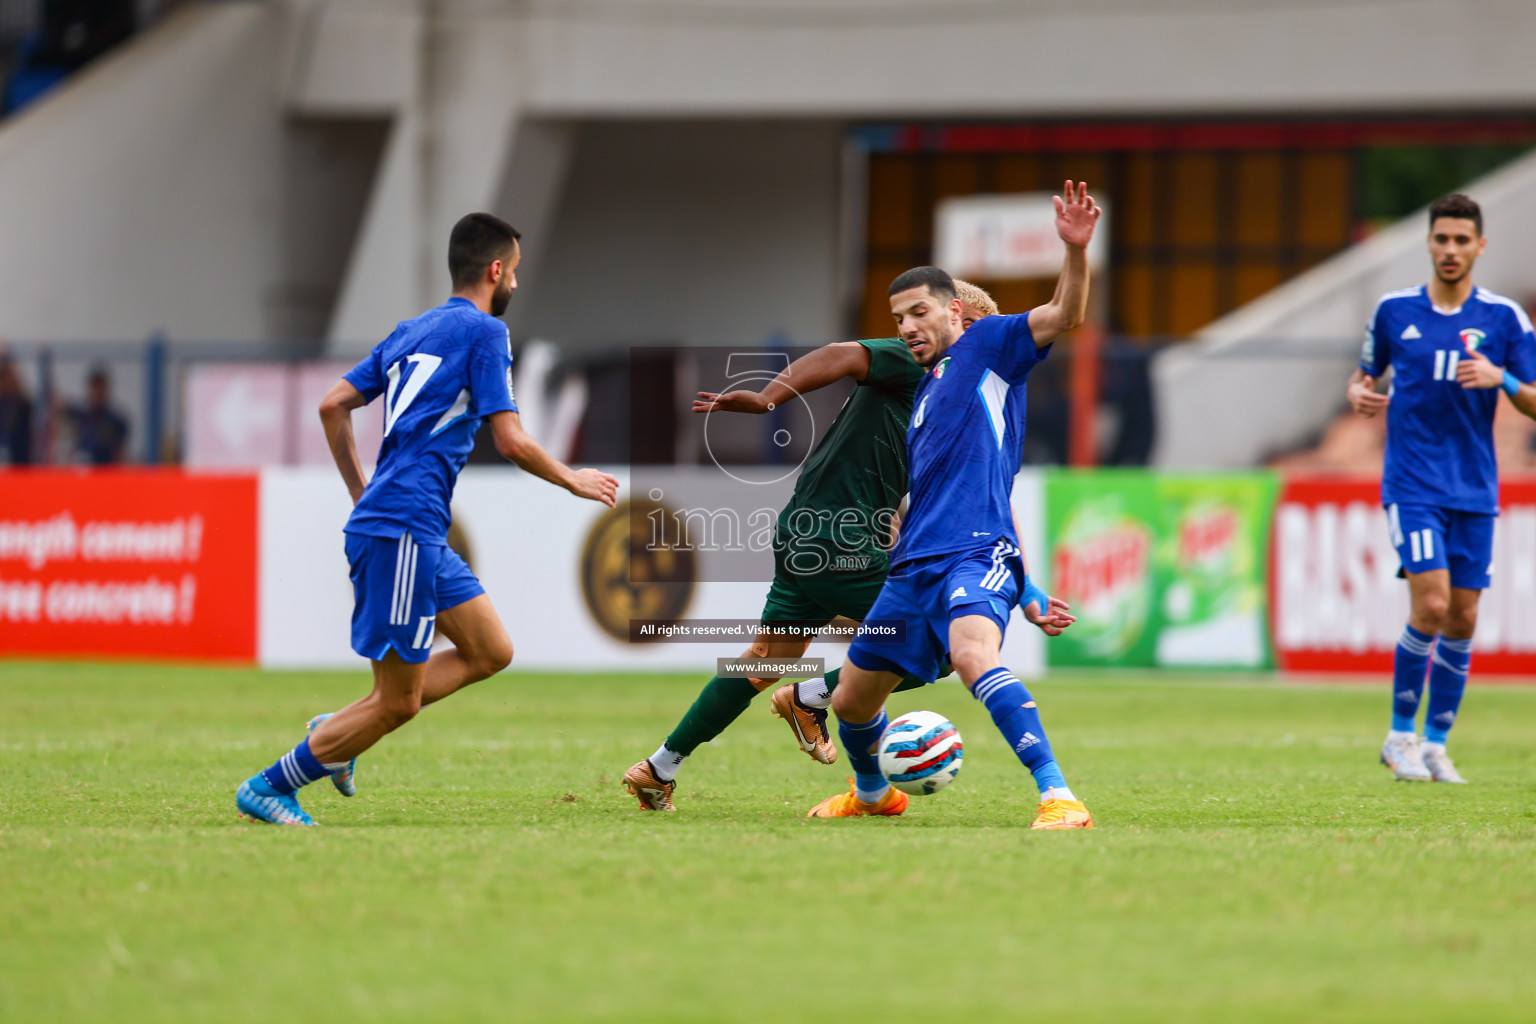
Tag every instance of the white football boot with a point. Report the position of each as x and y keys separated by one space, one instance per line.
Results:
x=1401 y=754
x=1439 y=764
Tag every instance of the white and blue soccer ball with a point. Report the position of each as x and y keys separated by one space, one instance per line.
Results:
x=920 y=752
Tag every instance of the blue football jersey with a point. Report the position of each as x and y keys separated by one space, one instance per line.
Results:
x=1440 y=434
x=440 y=374
x=966 y=441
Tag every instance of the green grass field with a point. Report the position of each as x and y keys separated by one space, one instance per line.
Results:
x=1252 y=862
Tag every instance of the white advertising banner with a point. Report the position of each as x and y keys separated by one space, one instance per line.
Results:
x=244 y=415
x=553 y=565
x=1005 y=237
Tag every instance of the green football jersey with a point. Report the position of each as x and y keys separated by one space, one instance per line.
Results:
x=855 y=477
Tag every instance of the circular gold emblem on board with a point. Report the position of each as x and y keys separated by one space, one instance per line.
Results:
x=626 y=575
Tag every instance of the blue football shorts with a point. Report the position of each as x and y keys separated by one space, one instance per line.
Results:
x=929 y=595
x=1428 y=537
x=398 y=587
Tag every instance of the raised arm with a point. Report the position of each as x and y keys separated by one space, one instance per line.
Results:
x=1076 y=217
x=515 y=443
x=811 y=371
x=1477 y=371
x=336 y=417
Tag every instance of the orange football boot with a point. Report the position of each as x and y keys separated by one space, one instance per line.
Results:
x=1062 y=814
x=846 y=805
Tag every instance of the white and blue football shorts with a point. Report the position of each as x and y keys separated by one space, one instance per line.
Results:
x=930 y=594
x=1428 y=537
x=398 y=588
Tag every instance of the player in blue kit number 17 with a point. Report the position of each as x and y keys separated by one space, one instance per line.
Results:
x=440 y=375
x=1449 y=346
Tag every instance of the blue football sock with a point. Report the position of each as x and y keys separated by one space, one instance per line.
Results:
x=1448 y=670
x=860 y=741
x=1408 y=665
x=294 y=770
x=1017 y=718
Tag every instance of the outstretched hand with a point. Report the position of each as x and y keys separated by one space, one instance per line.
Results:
x=596 y=485
x=1364 y=399
x=730 y=401
x=1076 y=214
x=1477 y=371
x=1053 y=619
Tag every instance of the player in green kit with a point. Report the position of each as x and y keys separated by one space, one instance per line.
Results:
x=831 y=541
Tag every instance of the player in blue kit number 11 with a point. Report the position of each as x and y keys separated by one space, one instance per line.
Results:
x=1450 y=346
x=440 y=375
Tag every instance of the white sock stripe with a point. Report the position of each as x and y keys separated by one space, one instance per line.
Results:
x=282 y=766
x=1464 y=645
x=303 y=777
x=1460 y=670
x=991 y=683
x=993 y=689
x=994 y=675
x=296 y=776
x=1413 y=645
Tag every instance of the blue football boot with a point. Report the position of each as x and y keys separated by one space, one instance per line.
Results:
x=257 y=800
x=344 y=779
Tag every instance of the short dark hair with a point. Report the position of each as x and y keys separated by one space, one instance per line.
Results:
x=1462 y=207
x=478 y=239
x=938 y=282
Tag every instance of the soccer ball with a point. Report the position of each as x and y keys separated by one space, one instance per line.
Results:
x=920 y=752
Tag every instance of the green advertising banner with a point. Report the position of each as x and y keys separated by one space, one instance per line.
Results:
x=1161 y=569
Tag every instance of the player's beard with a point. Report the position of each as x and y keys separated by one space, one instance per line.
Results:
x=1466 y=268
x=500 y=298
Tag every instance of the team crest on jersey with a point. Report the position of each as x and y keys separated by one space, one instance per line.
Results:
x=1471 y=337
x=938 y=371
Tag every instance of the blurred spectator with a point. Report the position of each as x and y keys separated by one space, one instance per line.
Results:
x=15 y=417
x=77 y=31
x=1125 y=394
x=100 y=432
x=1351 y=444
x=1355 y=445
x=1514 y=441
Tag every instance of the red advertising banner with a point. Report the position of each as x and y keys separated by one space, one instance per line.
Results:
x=1336 y=604
x=128 y=562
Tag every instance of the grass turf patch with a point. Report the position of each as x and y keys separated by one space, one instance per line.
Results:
x=1251 y=862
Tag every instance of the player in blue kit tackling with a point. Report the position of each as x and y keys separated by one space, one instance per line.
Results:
x=1449 y=346
x=440 y=375
x=957 y=572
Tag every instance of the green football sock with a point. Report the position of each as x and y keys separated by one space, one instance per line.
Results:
x=720 y=703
